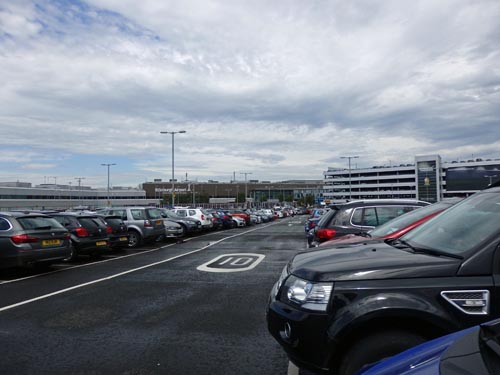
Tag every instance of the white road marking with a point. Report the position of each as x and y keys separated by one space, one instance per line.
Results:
x=292 y=369
x=121 y=273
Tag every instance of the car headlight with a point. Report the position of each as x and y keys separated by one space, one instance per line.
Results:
x=306 y=294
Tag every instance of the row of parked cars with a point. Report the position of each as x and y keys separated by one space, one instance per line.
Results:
x=368 y=290
x=45 y=237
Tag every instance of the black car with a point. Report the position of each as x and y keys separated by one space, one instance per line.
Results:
x=117 y=231
x=189 y=224
x=358 y=217
x=89 y=235
x=31 y=238
x=343 y=307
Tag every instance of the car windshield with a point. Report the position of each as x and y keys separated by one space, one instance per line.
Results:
x=407 y=219
x=461 y=228
x=39 y=223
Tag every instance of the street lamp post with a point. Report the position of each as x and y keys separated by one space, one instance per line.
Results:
x=246 y=186
x=173 y=179
x=108 y=165
x=349 y=157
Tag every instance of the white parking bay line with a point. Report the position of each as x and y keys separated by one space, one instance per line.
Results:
x=121 y=273
x=292 y=369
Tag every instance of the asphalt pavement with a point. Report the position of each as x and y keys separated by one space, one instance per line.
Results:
x=196 y=307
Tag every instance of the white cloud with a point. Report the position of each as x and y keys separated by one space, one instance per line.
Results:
x=282 y=88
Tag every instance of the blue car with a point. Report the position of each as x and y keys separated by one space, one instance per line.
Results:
x=472 y=351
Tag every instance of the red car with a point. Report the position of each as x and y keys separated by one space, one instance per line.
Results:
x=398 y=226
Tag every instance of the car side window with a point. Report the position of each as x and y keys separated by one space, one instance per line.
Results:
x=343 y=217
x=390 y=212
x=121 y=213
x=4 y=224
x=137 y=214
x=181 y=213
x=192 y=212
x=370 y=217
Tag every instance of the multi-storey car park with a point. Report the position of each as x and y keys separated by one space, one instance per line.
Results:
x=428 y=179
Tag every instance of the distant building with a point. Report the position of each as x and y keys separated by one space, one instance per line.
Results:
x=23 y=196
x=427 y=179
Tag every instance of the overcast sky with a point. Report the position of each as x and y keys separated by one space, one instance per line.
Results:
x=281 y=89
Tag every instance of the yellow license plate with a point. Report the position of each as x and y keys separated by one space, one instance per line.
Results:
x=101 y=243
x=50 y=242
x=123 y=239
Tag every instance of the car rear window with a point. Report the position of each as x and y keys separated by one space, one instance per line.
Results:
x=39 y=222
x=114 y=220
x=89 y=222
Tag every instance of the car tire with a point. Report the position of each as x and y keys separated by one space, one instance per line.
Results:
x=134 y=239
x=376 y=347
x=73 y=253
x=184 y=231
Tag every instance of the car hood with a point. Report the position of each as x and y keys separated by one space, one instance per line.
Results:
x=370 y=261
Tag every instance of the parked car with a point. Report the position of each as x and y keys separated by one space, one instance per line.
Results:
x=197 y=213
x=340 y=308
x=117 y=231
x=89 y=234
x=471 y=351
x=172 y=229
x=27 y=238
x=241 y=214
x=239 y=222
x=398 y=226
x=144 y=224
x=359 y=216
x=189 y=224
x=227 y=220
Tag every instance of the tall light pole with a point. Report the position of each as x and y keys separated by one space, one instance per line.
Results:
x=79 y=179
x=349 y=157
x=108 y=165
x=173 y=179
x=246 y=186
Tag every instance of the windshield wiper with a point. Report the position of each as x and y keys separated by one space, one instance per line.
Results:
x=423 y=250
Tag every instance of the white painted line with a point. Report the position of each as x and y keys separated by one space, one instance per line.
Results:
x=119 y=274
x=292 y=369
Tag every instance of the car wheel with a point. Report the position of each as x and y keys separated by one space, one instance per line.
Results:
x=73 y=253
x=134 y=239
x=184 y=231
x=376 y=347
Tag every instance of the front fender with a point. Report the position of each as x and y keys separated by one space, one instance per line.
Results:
x=391 y=307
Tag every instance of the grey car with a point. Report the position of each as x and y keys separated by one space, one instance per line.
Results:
x=145 y=224
x=27 y=238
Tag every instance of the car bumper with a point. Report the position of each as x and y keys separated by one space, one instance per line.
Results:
x=25 y=256
x=89 y=246
x=303 y=335
x=174 y=232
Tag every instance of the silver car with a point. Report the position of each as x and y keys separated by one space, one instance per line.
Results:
x=144 y=224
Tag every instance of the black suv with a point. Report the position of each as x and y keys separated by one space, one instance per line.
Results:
x=89 y=234
x=358 y=217
x=339 y=308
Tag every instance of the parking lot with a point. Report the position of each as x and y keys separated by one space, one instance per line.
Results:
x=181 y=307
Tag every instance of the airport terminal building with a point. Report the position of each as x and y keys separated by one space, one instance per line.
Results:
x=429 y=179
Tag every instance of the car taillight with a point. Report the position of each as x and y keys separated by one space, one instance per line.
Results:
x=82 y=232
x=147 y=224
x=326 y=234
x=109 y=230
x=23 y=238
x=202 y=217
